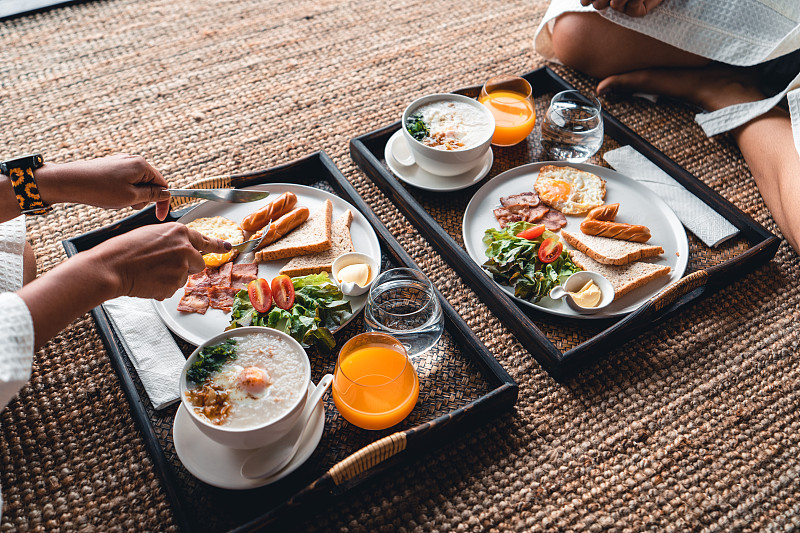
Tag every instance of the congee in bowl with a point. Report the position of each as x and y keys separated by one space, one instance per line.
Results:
x=448 y=125
x=246 y=387
x=447 y=134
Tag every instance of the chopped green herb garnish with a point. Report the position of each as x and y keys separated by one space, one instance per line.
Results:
x=416 y=127
x=211 y=359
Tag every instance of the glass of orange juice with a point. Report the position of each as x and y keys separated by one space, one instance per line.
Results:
x=510 y=99
x=374 y=384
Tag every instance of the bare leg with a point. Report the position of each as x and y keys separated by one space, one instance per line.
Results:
x=28 y=264
x=766 y=142
x=595 y=46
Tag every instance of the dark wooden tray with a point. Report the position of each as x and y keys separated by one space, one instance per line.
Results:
x=562 y=345
x=461 y=385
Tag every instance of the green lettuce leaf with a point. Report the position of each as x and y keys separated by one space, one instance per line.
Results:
x=319 y=306
x=513 y=261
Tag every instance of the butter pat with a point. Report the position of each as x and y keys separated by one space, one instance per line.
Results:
x=589 y=296
x=357 y=273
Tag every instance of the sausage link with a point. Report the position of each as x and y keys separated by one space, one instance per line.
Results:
x=278 y=207
x=604 y=212
x=616 y=230
x=283 y=225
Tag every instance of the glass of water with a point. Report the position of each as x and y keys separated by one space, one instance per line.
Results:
x=572 y=129
x=403 y=303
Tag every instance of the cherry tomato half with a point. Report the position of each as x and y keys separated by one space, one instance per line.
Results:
x=532 y=233
x=260 y=295
x=283 y=292
x=550 y=250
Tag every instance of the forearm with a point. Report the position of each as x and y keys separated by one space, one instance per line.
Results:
x=53 y=189
x=112 y=182
x=67 y=292
x=767 y=145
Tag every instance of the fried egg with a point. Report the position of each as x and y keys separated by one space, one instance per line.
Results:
x=569 y=190
x=218 y=227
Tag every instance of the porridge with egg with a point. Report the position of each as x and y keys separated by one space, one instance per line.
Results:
x=449 y=125
x=246 y=381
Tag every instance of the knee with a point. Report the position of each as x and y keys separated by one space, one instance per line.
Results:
x=577 y=40
x=29 y=269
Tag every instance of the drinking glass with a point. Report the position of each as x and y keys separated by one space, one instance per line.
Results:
x=510 y=99
x=572 y=129
x=374 y=384
x=403 y=303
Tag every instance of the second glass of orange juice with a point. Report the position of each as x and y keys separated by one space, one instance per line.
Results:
x=510 y=99
x=374 y=384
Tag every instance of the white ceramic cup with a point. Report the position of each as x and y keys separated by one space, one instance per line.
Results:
x=445 y=162
x=263 y=434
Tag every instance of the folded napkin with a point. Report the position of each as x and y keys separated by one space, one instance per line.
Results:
x=151 y=348
x=708 y=225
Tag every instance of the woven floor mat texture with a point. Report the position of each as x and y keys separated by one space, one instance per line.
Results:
x=692 y=426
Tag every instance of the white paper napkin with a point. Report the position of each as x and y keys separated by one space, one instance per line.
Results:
x=708 y=225
x=152 y=350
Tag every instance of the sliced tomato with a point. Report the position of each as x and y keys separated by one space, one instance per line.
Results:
x=549 y=250
x=283 y=292
x=532 y=233
x=260 y=295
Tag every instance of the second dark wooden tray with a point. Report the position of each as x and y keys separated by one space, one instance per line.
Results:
x=563 y=345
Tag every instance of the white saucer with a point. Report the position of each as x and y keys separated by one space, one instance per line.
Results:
x=221 y=466
x=422 y=179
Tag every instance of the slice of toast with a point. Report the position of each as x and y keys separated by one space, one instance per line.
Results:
x=611 y=251
x=313 y=235
x=323 y=261
x=624 y=278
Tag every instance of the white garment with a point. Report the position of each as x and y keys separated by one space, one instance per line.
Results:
x=736 y=32
x=16 y=324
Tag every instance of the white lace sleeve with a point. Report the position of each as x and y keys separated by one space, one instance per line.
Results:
x=12 y=244
x=16 y=346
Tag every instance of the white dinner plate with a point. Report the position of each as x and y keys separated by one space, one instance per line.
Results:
x=220 y=466
x=638 y=205
x=196 y=328
x=422 y=179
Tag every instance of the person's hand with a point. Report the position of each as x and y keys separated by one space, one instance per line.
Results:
x=633 y=8
x=112 y=182
x=154 y=261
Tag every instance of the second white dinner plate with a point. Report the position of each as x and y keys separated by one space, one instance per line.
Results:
x=196 y=328
x=638 y=205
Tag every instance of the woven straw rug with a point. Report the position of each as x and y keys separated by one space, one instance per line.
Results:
x=692 y=426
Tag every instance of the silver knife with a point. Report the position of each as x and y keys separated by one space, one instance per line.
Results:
x=234 y=196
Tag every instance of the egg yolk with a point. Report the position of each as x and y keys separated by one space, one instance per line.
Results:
x=253 y=380
x=215 y=260
x=558 y=190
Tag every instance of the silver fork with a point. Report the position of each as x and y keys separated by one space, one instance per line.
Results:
x=252 y=244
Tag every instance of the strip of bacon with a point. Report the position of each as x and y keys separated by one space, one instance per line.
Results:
x=194 y=301
x=518 y=212
x=524 y=198
x=554 y=220
x=220 y=277
x=198 y=281
x=242 y=274
x=222 y=298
